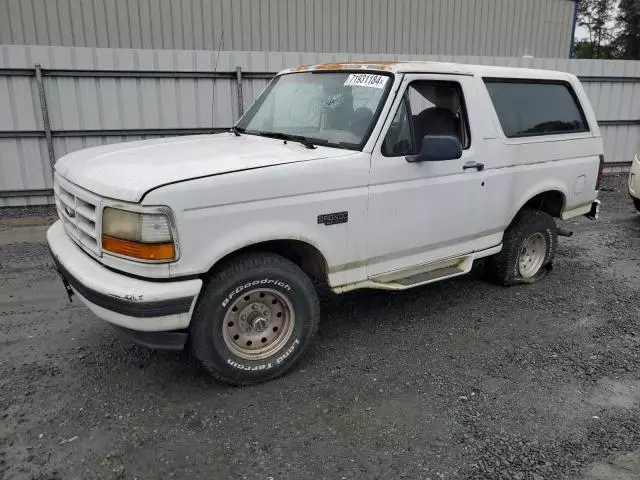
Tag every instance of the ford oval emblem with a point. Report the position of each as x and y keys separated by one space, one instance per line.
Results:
x=69 y=212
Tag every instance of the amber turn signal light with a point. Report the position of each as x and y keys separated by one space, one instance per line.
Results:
x=142 y=251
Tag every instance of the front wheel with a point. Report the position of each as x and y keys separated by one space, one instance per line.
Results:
x=636 y=202
x=529 y=246
x=254 y=319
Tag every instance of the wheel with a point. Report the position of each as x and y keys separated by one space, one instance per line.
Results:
x=636 y=202
x=254 y=319
x=529 y=246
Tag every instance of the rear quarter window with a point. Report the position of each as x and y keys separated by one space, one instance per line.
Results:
x=532 y=108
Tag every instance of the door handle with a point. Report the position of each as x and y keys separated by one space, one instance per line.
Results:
x=478 y=166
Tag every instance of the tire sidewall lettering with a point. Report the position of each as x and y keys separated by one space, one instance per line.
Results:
x=279 y=358
x=552 y=246
x=268 y=365
x=256 y=283
x=252 y=274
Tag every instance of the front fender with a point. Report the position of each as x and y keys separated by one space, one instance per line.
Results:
x=210 y=235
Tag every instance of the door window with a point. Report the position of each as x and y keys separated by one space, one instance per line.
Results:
x=427 y=108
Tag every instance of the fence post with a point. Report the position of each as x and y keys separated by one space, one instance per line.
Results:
x=45 y=116
x=239 y=84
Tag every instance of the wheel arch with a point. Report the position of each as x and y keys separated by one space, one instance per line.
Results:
x=551 y=200
x=305 y=255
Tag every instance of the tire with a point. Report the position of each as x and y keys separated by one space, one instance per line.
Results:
x=636 y=202
x=264 y=289
x=516 y=264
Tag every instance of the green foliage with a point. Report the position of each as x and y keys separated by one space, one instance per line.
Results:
x=586 y=49
x=627 y=41
x=596 y=17
x=609 y=35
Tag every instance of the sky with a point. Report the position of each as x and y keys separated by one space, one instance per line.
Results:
x=582 y=33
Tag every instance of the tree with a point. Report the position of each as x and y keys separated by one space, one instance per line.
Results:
x=586 y=49
x=627 y=40
x=596 y=16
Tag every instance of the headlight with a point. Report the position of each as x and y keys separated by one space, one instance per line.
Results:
x=145 y=236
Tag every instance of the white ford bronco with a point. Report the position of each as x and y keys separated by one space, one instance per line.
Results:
x=359 y=175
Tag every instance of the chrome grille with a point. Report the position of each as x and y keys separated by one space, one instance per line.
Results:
x=78 y=210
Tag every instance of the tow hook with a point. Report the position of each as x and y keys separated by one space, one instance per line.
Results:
x=564 y=233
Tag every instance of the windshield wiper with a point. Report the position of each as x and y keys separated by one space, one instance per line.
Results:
x=285 y=136
x=236 y=130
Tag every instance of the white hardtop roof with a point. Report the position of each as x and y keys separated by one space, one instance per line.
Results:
x=436 y=67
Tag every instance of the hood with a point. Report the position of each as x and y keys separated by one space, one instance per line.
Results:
x=126 y=171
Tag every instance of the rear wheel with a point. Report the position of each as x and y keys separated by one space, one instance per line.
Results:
x=636 y=202
x=529 y=246
x=254 y=319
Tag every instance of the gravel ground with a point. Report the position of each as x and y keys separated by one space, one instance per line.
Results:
x=460 y=379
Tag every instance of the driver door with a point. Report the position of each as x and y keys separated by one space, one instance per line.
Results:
x=424 y=212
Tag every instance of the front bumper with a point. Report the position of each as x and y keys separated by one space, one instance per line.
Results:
x=124 y=301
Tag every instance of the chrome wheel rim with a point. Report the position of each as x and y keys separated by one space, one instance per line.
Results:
x=532 y=255
x=258 y=324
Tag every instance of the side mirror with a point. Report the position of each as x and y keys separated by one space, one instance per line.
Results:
x=436 y=148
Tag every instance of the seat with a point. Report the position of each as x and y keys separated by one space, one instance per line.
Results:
x=435 y=121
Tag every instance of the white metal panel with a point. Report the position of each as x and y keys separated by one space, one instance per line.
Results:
x=621 y=142
x=24 y=164
x=454 y=27
x=615 y=100
x=22 y=201
x=19 y=104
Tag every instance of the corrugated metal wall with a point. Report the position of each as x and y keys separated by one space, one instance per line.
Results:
x=97 y=96
x=541 y=28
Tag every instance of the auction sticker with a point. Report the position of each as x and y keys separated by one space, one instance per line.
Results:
x=366 y=80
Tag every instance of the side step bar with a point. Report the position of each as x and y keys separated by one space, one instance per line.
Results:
x=422 y=274
x=427 y=274
x=425 y=277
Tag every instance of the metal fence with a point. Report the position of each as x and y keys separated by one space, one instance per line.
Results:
x=542 y=28
x=54 y=100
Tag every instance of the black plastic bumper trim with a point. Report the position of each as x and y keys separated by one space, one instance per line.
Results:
x=169 y=340
x=157 y=308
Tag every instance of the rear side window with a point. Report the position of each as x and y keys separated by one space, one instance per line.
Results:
x=528 y=109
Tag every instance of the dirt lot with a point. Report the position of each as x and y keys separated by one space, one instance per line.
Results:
x=460 y=379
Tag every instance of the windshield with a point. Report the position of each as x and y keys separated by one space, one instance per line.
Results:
x=326 y=108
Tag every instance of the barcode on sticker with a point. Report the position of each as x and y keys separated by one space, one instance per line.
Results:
x=366 y=80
